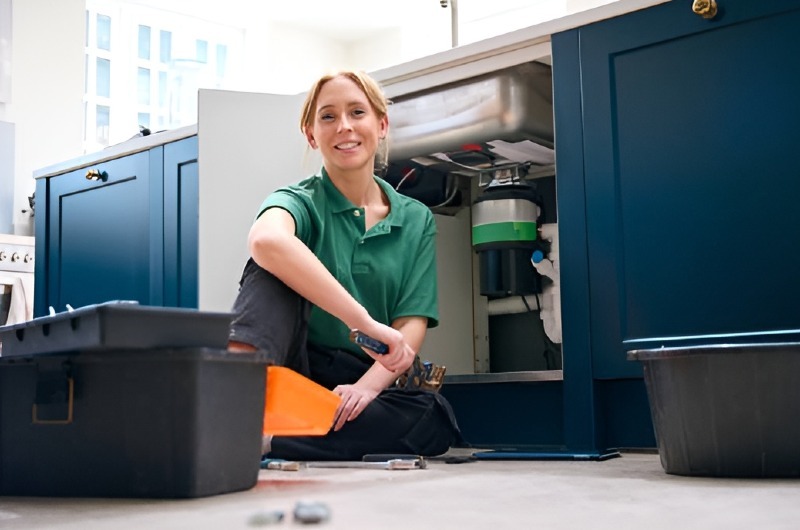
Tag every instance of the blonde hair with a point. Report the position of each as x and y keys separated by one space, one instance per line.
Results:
x=368 y=86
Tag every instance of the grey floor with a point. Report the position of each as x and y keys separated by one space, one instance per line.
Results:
x=627 y=492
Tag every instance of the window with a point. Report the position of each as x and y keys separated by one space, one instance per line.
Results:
x=165 y=46
x=222 y=56
x=103 y=75
x=144 y=42
x=103 y=32
x=99 y=72
x=144 y=86
x=162 y=89
x=103 y=117
x=202 y=51
x=152 y=83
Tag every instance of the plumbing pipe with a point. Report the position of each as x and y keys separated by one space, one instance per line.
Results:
x=551 y=295
x=549 y=302
x=513 y=304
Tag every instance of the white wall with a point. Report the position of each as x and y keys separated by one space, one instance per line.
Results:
x=427 y=34
x=5 y=55
x=46 y=91
x=284 y=59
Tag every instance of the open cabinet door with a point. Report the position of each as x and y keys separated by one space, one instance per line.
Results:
x=249 y=145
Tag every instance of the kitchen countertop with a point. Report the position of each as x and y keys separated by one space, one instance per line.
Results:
x=134 y=145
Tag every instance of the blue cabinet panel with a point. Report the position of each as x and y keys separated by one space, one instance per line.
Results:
x=509 y=415
x=98 y=240
x=689 y=128
x=125 y=234
x=677 y=189
x=580 y=429
x=181 y=207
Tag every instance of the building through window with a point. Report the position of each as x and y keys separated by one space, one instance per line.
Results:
x=144 y=66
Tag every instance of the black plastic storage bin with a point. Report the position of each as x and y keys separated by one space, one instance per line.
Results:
x=183 y=422
x=725 y=410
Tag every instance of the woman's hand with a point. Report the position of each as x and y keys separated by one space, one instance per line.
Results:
x=354 y=400
x=401 y=354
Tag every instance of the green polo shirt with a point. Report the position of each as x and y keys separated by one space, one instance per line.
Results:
x=390 y=269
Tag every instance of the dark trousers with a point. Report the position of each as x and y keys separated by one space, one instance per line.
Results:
x=274 y=318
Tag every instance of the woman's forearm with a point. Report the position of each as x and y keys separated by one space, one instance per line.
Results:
x=378 y=378
x=294 y=264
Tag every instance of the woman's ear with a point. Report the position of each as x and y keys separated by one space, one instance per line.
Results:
x=383 y=127
x=310 y=139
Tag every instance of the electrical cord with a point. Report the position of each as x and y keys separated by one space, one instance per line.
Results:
x=550 y=351
x=410 y=172
x=451 y=196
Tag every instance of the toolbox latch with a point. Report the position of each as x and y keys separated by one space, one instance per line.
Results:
x=55 y=392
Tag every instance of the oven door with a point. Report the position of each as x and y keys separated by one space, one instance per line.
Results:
x=16 y=297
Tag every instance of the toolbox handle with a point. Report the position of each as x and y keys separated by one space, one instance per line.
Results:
x=68 y=419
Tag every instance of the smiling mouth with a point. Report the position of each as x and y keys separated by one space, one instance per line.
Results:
x=347 y=145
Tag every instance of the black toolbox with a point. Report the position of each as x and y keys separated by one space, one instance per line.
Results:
x=107 y=421
x=115 y=325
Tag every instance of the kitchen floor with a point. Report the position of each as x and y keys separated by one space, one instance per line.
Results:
x=631 y=491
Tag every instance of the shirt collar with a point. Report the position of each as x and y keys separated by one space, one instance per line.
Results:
x=339 y=203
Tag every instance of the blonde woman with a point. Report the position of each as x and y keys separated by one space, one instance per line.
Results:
x=338 y=251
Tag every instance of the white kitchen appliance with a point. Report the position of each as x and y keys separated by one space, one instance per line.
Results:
x=16 y=279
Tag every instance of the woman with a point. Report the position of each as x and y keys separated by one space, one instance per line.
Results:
x=339 y=251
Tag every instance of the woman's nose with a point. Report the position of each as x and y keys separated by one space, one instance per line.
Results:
x=344 y=124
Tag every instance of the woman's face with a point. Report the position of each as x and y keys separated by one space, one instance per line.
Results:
x=346 y=128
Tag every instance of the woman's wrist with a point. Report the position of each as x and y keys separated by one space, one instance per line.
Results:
x=359 y=319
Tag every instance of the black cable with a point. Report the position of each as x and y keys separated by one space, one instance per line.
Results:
x=549 y=352
x=525 y=301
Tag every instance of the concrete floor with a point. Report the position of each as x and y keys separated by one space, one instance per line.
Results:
x=627 y=492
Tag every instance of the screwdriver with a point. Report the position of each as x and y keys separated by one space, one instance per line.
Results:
x=368 y=342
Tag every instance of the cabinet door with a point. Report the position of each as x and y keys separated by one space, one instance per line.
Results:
x=181 y=206
x=689 y=158
x=99 y=235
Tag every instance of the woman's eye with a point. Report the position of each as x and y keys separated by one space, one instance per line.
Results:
x=326 y=117
x=359 y=112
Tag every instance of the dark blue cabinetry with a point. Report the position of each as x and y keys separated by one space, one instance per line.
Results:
x=120 y=230
x=181 y=202
x=677 y=185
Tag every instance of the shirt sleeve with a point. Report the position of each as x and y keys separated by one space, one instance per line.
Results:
x=419 y=294
x=291 y=202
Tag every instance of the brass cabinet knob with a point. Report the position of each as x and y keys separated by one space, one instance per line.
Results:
x=96 y=174
x=705 y=8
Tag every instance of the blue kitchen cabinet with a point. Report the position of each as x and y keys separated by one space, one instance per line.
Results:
x=181 y=206
x=678 y=181
x=119 y=230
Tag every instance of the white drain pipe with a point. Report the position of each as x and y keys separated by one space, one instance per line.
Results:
x=550 y=310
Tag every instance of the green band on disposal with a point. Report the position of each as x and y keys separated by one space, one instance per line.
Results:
x=500 y=232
